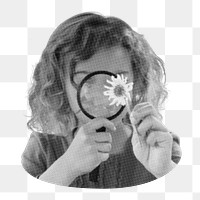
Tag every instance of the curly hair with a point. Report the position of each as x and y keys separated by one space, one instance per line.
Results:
x=77 y=39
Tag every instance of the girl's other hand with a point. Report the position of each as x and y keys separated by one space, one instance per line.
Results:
x=89 y=148
x=151 y=140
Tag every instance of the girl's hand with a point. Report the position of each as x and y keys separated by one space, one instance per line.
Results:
x=89 y=148
x=151 y=140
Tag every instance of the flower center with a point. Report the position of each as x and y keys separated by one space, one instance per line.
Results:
x=119 y=91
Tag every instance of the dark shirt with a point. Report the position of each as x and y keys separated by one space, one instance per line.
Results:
x=121 y=170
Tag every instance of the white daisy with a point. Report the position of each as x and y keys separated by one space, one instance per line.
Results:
x=119 y=91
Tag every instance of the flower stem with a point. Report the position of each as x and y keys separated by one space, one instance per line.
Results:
x=129 y=111
x=128 y=107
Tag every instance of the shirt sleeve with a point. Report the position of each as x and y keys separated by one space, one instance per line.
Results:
x=33 y=158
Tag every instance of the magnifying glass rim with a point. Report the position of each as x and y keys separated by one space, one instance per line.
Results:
x=79 y=99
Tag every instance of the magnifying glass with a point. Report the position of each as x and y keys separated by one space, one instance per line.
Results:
x=91 y=100
x=93 y=103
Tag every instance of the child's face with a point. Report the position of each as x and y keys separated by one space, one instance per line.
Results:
x=115 y=60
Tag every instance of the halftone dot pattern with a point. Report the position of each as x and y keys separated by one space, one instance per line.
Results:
x=172 y=29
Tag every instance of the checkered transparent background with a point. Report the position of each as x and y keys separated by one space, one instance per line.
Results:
x=172 y=28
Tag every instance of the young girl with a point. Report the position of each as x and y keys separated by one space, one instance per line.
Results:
x=65 y=147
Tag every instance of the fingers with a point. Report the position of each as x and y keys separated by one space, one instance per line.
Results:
x=135 y=139
x=140 y=105
x=134 y=112
x=147 y=109
x=150 y=123
x=141 y=111
x=103 y=156
x=159 y=138
x=98 y=123
x=176 y=152
x=103 y=147
x=102 y=137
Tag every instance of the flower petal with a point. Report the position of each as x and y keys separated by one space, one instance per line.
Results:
x=111 y=97
x=129 y=86
x=112 y=83
x=119 y=78
x=113 y=102
x=120 y=81
x=122 y=77
x=108 y=92
x=125 y=79
x=113 y=78
x=110 y=88
x=118 y=103
x=121 y=102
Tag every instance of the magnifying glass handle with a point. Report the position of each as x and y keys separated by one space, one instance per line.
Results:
x=95 y=173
